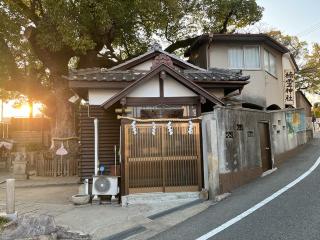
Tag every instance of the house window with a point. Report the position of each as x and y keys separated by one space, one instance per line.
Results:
x=246 y=57
x=235 y=56
x=270 y=63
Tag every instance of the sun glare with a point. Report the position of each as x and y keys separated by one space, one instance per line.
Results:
x=23 y=111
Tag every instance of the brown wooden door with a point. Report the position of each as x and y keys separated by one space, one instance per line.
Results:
x=162 y=162
x=265 y=146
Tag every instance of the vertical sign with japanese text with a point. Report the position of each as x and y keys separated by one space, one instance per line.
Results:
x=289 y=89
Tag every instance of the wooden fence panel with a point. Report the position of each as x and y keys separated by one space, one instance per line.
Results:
x=53 y=167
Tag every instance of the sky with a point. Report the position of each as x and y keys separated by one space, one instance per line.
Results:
x=294 y=17
x=23 y=111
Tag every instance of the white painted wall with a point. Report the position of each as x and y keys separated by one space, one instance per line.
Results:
x=143 y=66
x=149 y=88
x=263 y=89
x=146 y=66
x=287 y=63
x=172 y=88
x=274 y=84
x=99 y=96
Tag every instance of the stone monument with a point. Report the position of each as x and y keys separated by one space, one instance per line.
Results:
x=20 y=166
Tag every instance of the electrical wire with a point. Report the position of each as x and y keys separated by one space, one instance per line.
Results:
x=309 y=30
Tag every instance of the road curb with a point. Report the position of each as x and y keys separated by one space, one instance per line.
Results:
x=43 y=185
x=126 y=233
x=174 y=209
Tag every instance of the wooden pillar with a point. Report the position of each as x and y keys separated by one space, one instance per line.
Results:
x=124 y=189
x=122 y=165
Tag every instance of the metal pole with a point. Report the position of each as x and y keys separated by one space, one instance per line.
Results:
x=96 y=155
x=120 y=146
x=96 y=147
x=115 y=160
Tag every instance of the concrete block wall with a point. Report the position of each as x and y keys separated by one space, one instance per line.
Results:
x=231 y=145
x=283 y=139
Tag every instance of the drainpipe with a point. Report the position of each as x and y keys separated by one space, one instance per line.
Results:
x=96 y=143
x=96 y=149
x=208 y=50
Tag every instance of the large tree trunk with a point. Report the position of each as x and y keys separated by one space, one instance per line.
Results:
x=63 y=124
x=60 y=109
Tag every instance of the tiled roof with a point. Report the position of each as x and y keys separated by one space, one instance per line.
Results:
x=97 y=74
x=106 y=76
x=215 y=74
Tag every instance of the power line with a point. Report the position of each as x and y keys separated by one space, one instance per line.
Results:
x=309 y=30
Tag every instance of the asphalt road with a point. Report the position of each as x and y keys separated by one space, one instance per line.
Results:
x=293 y=215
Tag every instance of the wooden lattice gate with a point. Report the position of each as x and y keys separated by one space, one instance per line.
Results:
x=162 y=162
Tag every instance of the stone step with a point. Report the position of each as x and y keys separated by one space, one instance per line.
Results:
x=158 y=197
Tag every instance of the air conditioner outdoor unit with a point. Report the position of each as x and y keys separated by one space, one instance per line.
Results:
x=105 y=185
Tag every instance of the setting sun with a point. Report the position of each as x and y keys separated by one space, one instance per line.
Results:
x=23 y=111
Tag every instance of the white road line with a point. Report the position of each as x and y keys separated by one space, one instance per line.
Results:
x=258 y=205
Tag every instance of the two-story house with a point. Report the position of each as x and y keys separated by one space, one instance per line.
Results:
x=268 y=63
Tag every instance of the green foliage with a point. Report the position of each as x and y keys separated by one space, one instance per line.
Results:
x=3 y=221
x=309 y=75
x=297 y=47
x=115 y=29
x=41 y=39
x=20 y=68
x=228 y=16
x=316 y=110
x=316 y=113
